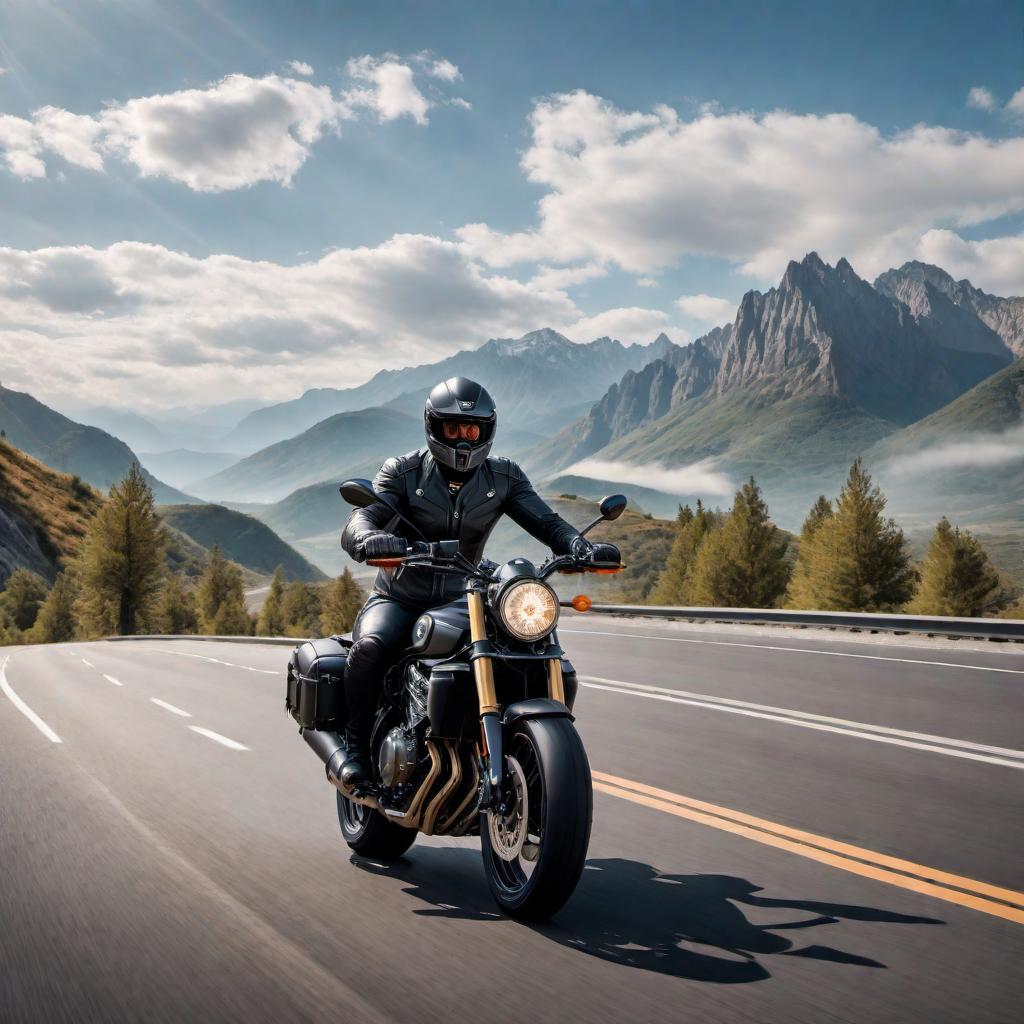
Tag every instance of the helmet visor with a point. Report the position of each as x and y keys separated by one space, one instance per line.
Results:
x=454 y=432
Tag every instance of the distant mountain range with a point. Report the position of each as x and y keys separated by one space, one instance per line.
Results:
x=808 y=375
x=541 y=378
x=69 y=447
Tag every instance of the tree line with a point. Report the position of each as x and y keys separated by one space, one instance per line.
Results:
x=119 y=583
x=849 y=557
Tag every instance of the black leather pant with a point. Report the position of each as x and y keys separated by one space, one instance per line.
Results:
x=382 y=631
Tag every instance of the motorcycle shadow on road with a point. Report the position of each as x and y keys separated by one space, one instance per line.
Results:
x=627 y=912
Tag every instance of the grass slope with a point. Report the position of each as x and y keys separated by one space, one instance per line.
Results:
x=43 y=514
x=243 y=539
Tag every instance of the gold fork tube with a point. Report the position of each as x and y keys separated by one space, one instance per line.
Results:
x=556 y=687
x=483 y=670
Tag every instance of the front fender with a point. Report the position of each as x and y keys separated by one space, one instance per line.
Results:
x=535 y=707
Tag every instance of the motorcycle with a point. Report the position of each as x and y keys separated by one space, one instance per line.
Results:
x=474 y=732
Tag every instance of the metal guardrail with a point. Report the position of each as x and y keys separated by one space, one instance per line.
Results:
x=279 y=641
x=1001 y=630
x=1005 y=630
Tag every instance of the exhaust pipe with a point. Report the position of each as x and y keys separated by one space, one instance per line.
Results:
x=330 y=748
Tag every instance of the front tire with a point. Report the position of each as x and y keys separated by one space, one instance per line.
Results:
x=369 y=834
x=533 y=864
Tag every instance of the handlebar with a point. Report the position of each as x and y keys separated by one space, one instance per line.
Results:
x=444 y=556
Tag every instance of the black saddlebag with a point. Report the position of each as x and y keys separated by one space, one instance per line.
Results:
x=315 y=694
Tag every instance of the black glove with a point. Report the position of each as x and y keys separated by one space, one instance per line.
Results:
x=581 y=549
x=385 y=545
x=605 y=553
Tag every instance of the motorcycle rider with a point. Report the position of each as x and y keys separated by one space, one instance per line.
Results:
x=449 y=490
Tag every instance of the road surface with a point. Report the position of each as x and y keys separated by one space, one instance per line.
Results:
x=787 y=827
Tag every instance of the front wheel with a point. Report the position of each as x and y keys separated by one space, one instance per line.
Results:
x=535 y=852
x=369 y=834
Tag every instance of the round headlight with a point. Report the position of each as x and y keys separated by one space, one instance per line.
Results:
x=528 y=610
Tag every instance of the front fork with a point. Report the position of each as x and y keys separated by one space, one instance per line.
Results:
x=490 y=710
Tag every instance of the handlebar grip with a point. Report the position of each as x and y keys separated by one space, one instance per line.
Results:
x=384 y=563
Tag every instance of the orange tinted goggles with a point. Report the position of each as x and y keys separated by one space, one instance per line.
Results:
x=455 y=431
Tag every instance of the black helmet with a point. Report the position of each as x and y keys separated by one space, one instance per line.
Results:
x=454 y=402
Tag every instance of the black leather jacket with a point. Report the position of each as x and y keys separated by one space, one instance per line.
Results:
x=418 y=489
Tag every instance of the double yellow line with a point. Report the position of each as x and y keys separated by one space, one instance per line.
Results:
x=990 y=899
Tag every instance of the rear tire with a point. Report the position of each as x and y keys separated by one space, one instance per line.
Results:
x=369 y=834
x=535 y=882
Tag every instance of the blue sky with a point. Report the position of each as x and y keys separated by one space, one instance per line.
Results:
x=715 y=141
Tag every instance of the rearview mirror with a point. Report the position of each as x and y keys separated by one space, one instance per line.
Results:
x=613 y=506
x=359 y=493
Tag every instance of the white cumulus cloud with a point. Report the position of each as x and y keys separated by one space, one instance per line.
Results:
x=993 y=264
x=445 y=70
x=707 y=309
x=629 y=324
x=390 y=89
x=980 y=98
x=701 y=478
x=172 y=327
x=231 y=134
x=1015 y=105
x=644 y=190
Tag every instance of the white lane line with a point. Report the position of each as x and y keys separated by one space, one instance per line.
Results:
x=170 y=707
x=809 y=716
x=785 y=717
x=799 y=650
x=89 y=663
x=111 y=679
x=217 y=738
x=23 y=707
x=217 y=661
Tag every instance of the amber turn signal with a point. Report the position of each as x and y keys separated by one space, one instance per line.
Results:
x=581 y=603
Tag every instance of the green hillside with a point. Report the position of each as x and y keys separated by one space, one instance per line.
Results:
x=69 y=447
x=242 y=538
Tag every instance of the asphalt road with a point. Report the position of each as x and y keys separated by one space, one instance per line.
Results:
x=787 y=827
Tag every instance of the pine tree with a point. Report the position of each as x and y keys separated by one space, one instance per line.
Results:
x=271 y=619
x=56 y=622
x=673 y=587
x=802 y=592
x=231 y=618
x=956 y=577
x=860 y=562
x=220 y=585
x=176 y=610
x=742 y=565
x=340 y=603
x=121 y=564
x=20 y=600
x=300 y=609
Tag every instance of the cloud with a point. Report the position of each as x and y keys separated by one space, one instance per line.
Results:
x=1015 y=105
x=697 y=478
x=980 y=98
x=566 y=277
x=644 y=190
x=445 y=70
x=629 y=324
x=390 y=92
x=232 y=134
x=975 y=450
x=243 y=328
x=993 y=264
x=647 y=282
x=707 y=309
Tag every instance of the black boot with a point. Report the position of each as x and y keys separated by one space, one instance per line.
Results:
x=360 y=699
